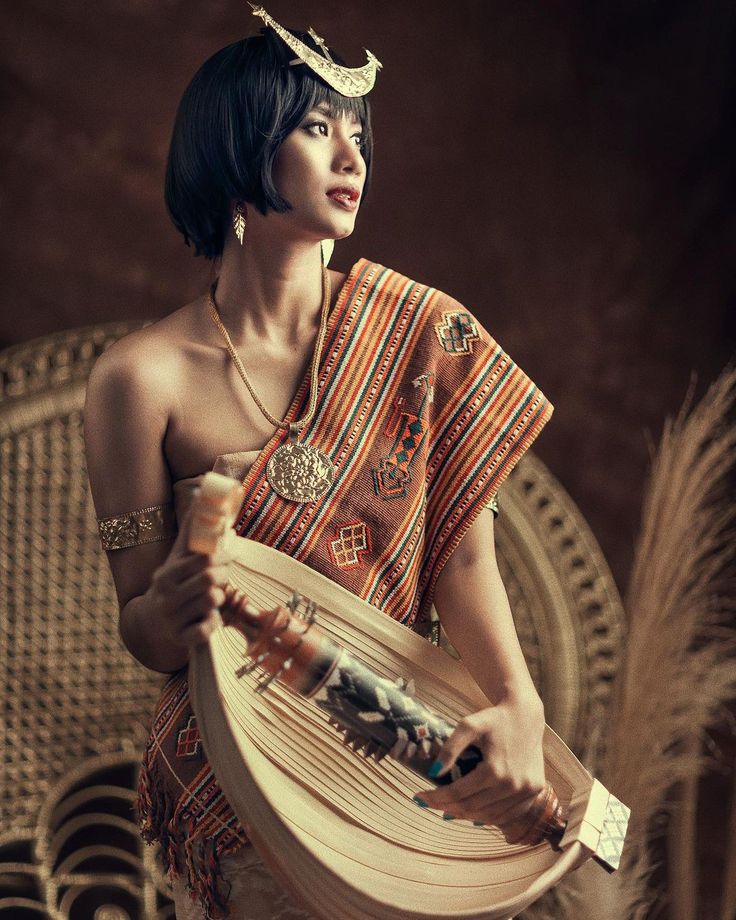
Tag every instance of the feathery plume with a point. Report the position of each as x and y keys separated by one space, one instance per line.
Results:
x=679 y=664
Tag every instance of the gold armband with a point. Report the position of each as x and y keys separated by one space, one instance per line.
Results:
x=147 y=525
x=493 y=505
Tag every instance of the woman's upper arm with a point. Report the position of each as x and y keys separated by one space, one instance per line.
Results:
x=125 y=419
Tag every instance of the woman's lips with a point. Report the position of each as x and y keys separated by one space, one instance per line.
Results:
x=344 y=199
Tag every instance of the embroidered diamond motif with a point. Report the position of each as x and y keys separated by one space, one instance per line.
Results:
x=188 y=741
x=409 y=429
x=352 y=541
x=457 y=332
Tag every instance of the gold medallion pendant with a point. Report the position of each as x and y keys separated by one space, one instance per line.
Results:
x=300 y=472
x=297 y=472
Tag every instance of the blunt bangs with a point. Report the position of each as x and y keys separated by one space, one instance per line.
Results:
x=233 y=117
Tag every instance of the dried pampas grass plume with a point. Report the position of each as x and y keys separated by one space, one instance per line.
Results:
x=678 y=669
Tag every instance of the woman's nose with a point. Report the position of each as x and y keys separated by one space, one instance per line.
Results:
x=348 y=155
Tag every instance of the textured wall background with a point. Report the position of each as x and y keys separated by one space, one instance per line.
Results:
x=563 y=168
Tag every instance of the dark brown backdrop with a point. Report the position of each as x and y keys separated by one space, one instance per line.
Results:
x=562 y=168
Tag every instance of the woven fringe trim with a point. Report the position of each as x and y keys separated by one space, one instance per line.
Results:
x=182 y=852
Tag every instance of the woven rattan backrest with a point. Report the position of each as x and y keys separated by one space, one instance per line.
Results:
x=73 y=695
x=71 y=689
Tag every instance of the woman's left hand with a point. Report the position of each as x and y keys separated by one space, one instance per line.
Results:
x=502 y=788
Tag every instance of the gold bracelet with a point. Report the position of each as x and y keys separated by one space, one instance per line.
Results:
x=134 y=528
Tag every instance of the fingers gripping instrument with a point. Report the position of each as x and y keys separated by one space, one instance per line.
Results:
x=378 y=716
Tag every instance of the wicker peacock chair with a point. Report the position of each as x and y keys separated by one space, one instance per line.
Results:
x=77 y=706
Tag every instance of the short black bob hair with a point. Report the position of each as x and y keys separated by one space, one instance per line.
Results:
x=232 y=119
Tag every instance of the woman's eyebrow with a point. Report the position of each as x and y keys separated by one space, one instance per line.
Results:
x=326 y=109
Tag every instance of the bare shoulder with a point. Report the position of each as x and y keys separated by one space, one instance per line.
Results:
x=146 y=363
x=132 y=393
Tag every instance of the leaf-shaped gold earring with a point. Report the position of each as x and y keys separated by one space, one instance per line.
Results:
x=239 y=221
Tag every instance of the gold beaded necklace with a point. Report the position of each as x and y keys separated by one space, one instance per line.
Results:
x=295 y=471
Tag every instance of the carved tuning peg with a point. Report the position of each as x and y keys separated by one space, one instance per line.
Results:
x=266 y=682
x=408 y=686
x=293 y=603
x=252 y=665
x=371 y=749
x=399 y=747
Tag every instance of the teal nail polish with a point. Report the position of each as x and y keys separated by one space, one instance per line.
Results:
x=434 y=770
x=447 y=817
x=420 y=802
x=478 y=824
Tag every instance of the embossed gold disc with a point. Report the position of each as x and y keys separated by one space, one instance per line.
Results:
x=299 y=472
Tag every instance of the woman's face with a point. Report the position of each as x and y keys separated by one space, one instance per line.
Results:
x=319 y=169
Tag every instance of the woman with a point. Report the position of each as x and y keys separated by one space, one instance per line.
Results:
x=412 y=416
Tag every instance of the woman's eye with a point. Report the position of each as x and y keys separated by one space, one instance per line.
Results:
x=317 y=124
x=324 y=131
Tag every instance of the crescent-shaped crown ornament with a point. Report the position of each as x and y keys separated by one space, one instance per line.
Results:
x=348 y=81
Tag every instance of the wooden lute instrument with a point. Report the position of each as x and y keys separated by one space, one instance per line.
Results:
x=284 y=733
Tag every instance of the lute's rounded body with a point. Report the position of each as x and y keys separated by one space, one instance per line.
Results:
x=340 y=831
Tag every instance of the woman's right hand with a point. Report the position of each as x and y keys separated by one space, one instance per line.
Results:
x=187 y=590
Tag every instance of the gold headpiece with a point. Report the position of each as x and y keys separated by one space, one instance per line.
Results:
x=348 y=81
